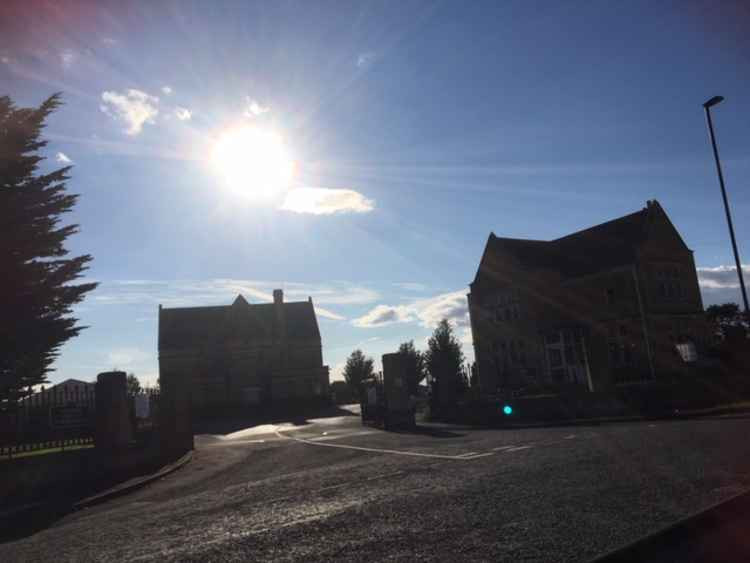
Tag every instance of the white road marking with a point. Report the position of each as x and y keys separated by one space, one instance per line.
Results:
x=477 y=456
x=569 y=437
x=382 y=451
x=501 y=448
x=338 y=436
x=467 y=454
x=519 y=448
x=237 y=442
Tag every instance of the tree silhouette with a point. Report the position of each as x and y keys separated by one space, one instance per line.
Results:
x=133 y=385
x=358 y=368
x=415 y=368
x=444 y=362
x=36 y=293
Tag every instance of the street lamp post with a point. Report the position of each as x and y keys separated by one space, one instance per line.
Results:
x=707 y=106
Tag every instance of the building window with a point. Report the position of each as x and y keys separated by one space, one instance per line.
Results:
x=614 y=354
x=555 y=357
x=627 y=355
x=610 y=296
x=569 y=357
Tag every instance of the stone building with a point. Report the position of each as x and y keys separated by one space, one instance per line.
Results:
x=70 y=392
x=613 y=304
x=243 y=354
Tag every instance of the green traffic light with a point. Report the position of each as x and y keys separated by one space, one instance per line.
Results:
x=508 y=410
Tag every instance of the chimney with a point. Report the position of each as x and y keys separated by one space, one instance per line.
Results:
x=278 y=306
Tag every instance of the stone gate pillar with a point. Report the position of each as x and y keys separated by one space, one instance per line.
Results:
x=175 y=418
x=113 y=430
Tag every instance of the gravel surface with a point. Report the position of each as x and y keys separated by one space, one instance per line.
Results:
x=446 y=493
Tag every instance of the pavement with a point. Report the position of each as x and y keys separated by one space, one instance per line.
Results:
x=330 y=489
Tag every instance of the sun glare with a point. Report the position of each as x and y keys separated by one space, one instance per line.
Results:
x=253 y=161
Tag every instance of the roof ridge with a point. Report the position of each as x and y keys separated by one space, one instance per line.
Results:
x=520 y=239
x=621 y=219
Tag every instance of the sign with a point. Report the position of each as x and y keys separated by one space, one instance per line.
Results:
x=68 y=417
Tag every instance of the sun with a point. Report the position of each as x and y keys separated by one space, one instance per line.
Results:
x=253 y=162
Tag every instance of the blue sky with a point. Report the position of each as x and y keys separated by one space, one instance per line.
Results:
x=415 y=129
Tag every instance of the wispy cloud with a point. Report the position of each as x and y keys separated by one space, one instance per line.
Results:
x=167 y=90
x=410 y=286
x=365 y=59
x=5 y=60
x=63 y=158
x=127 y=357
x=326 y=313
x=183 y=114
x=67 y=58
x=324 y=201
x=184 y=293
x=109 y=41
x=133 y=107
x=253 y=108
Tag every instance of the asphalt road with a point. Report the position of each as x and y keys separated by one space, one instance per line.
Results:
x=331 y=489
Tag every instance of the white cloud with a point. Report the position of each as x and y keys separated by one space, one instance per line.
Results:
x=721 y=277
x=427 y=312
x=134 y=107
x=63 y=158
x=365 y=59
x=383 y=315
x=166 y=90
x=67 y=58
x=721 y=284
x=183 y=114
x=324 y=201
x=110 y=41
x=452 y=306
x=337 y=372
x=254 y=108
x=5 y=60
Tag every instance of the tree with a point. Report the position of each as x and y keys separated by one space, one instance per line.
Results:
x=134 y=386
x=723 y=316
x=36 y=289
x=444 y=362
x=358 y=368
x=415 y=370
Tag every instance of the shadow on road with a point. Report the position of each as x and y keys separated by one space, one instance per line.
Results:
x=30 y=522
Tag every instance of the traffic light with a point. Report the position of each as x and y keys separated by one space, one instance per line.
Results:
x=507 y=410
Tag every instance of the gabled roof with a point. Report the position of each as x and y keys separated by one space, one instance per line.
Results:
x=188 y=327
x=598 y=248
